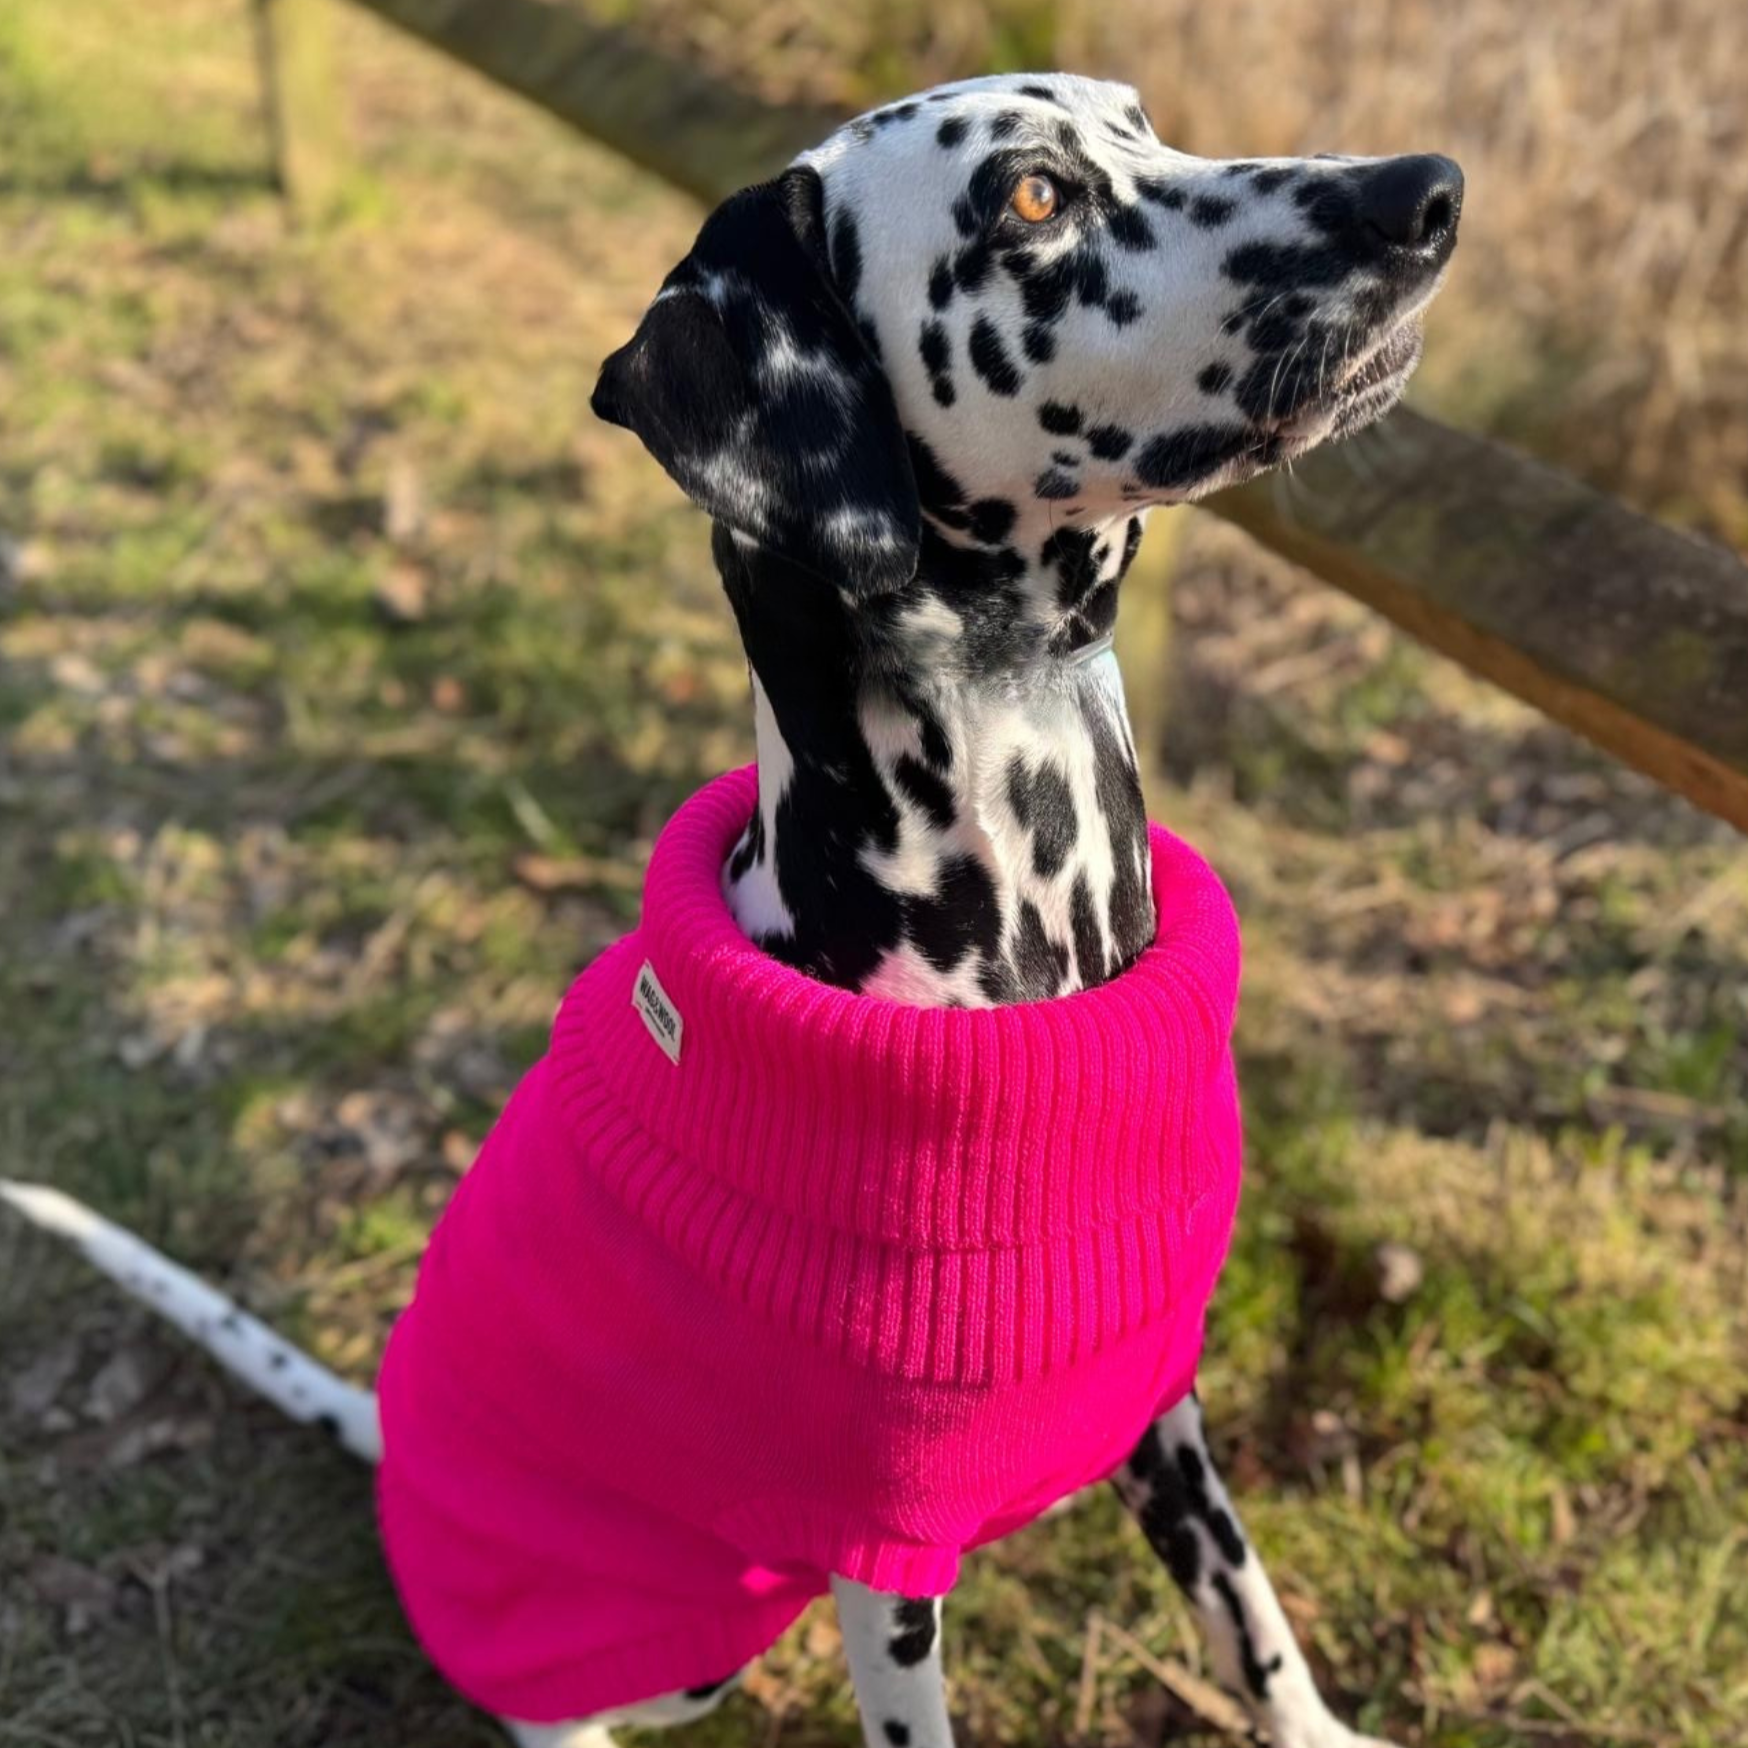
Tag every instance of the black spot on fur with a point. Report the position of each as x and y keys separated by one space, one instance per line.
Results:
x=1006 y=125
x=936 y=351
x=965 y=216
x=1160 y=192
x=1257 y=1674
x=971 y=266
x=1040 y=964
x=1038 y=343
x=937 y=749
x=1070 y=553
x=1198 y=1499
x=939 y=493
x=941 y=283
x=914 y=1639
x=1280 y=381
x=1043 y=803
x=1330 y=202
x=1225 y=1531
x=1210 y=211
x=1092 y=283
x=1020 y=792
x=1163 y=1512
x=896 y=1733
x=1214 y=377
x=1267 y=179
x=1289 y=267
x=927 y=790
x=1176 y=459
x=1129 y=226
x=961 y=916
x=1053 y=485
x=992 y=520
x=1130 y=911
x=1059 y=420
x=1131 y=546
x=951 y=131
x=1069 y=135
x=1123 y=307
x=1109 y=442
x=989 y=358
x=277 y=1361
x=1088 y=600
x=1089 y=952
x=1138 y=118
x=1065 y=458
x=1044 y=295
x=846 y=255
x=1042 y=92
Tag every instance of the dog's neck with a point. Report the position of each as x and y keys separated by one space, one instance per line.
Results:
x=949 y=807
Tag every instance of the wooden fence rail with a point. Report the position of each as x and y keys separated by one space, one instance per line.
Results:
x=1628 y=632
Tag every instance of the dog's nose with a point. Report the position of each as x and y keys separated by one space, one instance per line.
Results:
x=1412 y=203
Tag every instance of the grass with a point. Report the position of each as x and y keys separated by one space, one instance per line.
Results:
x=346 y=670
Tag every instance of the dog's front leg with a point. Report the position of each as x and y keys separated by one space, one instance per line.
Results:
x=1186 y=1514
x=894 y=1647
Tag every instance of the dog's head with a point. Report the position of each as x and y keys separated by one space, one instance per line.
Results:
x=1006 y=306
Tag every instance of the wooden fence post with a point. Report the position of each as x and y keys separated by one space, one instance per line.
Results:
x=300 y=99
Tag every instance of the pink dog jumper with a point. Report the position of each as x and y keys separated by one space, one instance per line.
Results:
x=757 y=1281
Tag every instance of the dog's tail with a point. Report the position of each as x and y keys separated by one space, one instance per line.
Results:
x=242 y=1344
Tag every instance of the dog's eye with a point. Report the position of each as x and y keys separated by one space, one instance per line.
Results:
x=1035 y=199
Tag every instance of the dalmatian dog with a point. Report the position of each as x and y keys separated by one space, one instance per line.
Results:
x=927 y=383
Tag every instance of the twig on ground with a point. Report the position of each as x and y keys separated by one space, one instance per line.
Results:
x=1087 y=1699
x=1202 y=1697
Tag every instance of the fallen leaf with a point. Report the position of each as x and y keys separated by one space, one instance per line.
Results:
x=84 y=1594
x=387 y=1128
x=403 y=501
x=1494 y=1666
x=403 y=594
x=1400 y=1271
x=121 y=1384
x=33 y=1390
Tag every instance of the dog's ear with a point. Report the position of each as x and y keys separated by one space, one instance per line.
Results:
x=750 y=382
